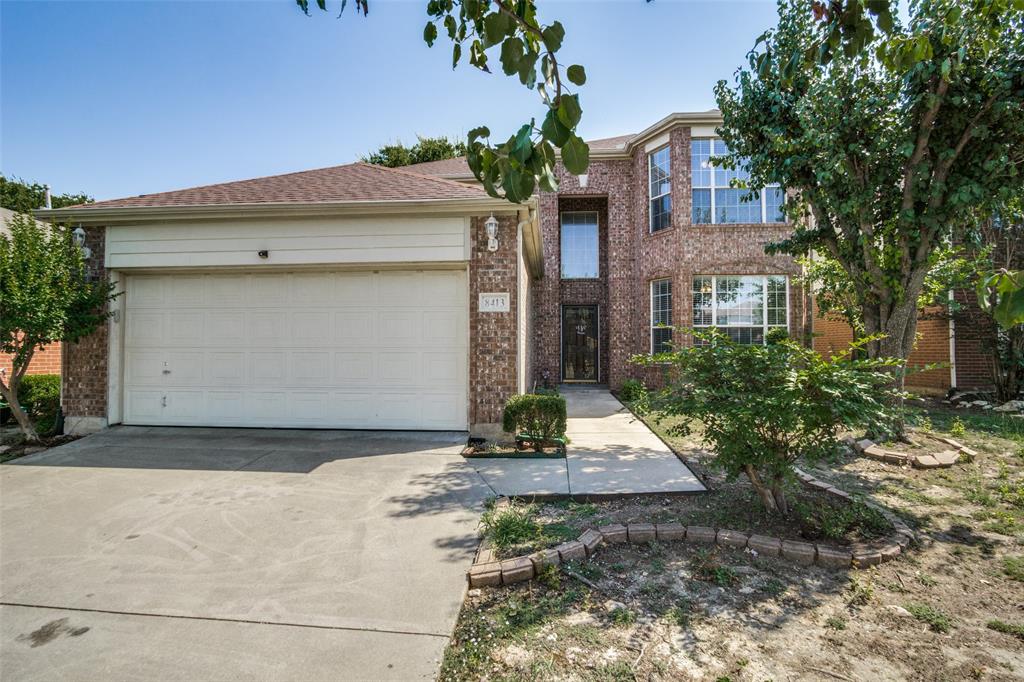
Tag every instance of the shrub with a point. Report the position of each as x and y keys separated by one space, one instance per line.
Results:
x=776 y=335
x=632 y=390
x=762 y=407
x=40 y=398
x=542 y=417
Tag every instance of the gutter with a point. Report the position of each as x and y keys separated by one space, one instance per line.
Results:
x=137 y=214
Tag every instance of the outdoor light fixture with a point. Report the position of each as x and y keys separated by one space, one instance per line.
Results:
x=78 y=234
x=491 y=225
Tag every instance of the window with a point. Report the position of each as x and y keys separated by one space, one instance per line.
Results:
x=743 y=307
x=659 y=167
x=714 y=201
x=579 y=245
x=661 y=315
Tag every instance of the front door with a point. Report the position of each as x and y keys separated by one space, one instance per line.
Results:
x=579 y=343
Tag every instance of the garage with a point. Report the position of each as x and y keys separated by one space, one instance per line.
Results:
x=384 y=349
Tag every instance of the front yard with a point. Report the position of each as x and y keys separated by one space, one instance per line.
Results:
x=951 y=608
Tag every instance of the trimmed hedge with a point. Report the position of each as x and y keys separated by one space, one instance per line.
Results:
x=542 y=417
x=39 y=396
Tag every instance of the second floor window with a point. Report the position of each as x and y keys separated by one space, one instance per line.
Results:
x=659 y=167
x=714 y=201
x=580 y=247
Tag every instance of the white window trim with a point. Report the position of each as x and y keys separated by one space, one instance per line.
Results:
x=714 y=304
x=713 y=187
x=650 y=199
x=650 y=304
x=597 y=222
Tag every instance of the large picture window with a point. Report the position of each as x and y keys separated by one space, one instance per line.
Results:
x=659 y=166
x=741 y=306
x=661 y=315
x=714 y=201
x=580 y=249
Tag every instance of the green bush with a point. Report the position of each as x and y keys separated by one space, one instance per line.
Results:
x=776 y=335
x=760 y=408
x=633 y=390
x=39 y=396
x=541 y=417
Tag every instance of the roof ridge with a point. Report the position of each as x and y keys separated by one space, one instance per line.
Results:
x=405 y=171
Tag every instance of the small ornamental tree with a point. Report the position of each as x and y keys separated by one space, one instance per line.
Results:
x=760 y=408
x=45 y=297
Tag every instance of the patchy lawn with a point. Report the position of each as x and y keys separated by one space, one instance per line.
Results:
x=952 y=608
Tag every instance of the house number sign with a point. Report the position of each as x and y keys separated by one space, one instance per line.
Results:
x=493 y=303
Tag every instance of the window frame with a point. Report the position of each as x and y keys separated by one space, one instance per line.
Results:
x=714 y=142
x=765 y=326
x=651 y=199
x=671 y=302
x=561 y=244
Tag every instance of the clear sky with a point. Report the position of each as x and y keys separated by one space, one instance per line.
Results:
x=122 y=98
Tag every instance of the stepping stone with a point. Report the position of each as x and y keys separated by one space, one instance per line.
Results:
x=874 y=452
x=926 y=462
x=864 y=444
x=947 y=458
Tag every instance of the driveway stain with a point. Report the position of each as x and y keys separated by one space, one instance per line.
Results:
x=50 y=632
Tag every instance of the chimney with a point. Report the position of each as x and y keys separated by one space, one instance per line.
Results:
x=46 y=188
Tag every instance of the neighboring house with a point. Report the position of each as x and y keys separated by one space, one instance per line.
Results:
x=367 y=297
x=45 y=360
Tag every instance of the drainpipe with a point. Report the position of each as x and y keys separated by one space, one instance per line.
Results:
x=952 y=342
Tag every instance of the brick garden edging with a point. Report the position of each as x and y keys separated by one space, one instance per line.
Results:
x=487 y=570
x=946 y=458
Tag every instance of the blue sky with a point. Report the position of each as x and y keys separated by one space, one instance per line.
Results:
x=123 y=98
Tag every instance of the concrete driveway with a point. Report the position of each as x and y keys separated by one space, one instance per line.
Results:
x=230 y=554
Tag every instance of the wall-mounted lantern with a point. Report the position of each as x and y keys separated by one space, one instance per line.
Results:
x=491 y=225
x=78 y=234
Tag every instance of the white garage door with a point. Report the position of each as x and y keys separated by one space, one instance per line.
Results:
x=306 y=349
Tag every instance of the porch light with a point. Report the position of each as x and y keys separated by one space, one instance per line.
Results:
x=78 y=234
x=491 y=225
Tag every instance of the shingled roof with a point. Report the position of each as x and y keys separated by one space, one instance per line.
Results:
x=352 y=182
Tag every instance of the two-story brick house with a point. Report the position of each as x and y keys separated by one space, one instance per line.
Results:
x=366 y=297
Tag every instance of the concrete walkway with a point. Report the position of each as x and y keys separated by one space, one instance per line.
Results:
x=610 y=453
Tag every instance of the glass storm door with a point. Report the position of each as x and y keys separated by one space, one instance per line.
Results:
x=579 y=343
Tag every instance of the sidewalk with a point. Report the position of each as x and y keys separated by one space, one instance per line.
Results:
x=610 y=453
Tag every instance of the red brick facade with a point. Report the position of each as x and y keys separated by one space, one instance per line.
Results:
x=44 y=361
x=492 y=336
x=631 y=257
x=85 y=378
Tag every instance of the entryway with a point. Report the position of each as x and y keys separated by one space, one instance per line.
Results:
x=580 y=343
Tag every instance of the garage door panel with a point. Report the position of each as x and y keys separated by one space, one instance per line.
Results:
x=311 y=349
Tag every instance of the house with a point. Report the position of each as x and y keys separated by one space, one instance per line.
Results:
x=46 y=360
x=367 y=297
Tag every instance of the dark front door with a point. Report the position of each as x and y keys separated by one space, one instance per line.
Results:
x=579 y=343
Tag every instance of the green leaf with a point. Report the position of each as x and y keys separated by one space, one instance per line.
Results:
x=429 y=33
x=478 y=132
x=511 y=54
x=576 y=155
x=450 y=26
x=569 y=111
x=576 y=74
x=496 y=26
x=522 y=147
x=527 y=69
x=554 y=130
x=456 y=54
x=552 y=36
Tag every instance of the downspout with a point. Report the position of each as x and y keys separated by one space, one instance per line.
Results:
x=526 y=217
x=952 y=342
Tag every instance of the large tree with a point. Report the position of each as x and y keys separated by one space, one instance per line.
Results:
x=46 y=296
x=425 y=149
x=511 y=31
x=889 y=145
x=18 y=195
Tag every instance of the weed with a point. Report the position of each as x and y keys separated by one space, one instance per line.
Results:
x=774 y=587
x=1002 y=522
x=657 y=565
x=622 y=616
x=619 y=567
x=1014 y=629
x=860 y=591
x=681 y=613
x=937 y=621
x=836 y=622
x=957 y=427
x=927 y=580
x=511 y=526
x=1013 y=567
x=550 y=576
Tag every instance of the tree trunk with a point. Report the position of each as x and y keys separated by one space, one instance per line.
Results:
x=898 y=321
x=767 y=499
x=779 y=494
x=10 y=394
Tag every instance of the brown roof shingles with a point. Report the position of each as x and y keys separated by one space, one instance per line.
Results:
x=351 y=182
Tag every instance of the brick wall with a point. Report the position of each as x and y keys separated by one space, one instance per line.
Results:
x=45 y=360
x=85 y=378
x=975 y=334
x=492 y=336
x=634 y=257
